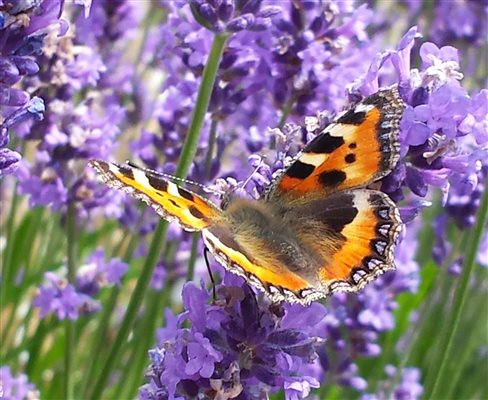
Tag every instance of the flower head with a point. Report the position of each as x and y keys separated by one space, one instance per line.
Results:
x=233 y=16
x=69 y=301
x=16 y=387
x=23 y=27
x=233 y=347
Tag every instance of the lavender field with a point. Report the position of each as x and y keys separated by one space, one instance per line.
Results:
x=101 y=298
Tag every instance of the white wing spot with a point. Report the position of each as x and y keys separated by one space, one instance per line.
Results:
x=173 y=189
x=373 y=264
x=140 y=177
x=341 y=130
x=363 y=108
x=313 y=159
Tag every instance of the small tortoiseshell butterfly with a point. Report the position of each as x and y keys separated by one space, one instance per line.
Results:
x=318 y=228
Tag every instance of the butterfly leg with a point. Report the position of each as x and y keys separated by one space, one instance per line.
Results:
x=205 y=255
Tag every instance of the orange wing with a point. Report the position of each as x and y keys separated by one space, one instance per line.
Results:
x=171 y=201
x=359 y=148
x=355 y=232
x=278 y=282
x=368 y=249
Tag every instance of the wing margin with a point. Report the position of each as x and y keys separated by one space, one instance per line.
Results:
x=170 y=201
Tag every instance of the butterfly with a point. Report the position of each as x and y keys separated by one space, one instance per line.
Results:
x=318 y=228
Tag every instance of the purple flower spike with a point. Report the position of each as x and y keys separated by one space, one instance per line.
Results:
x=368 y=84
x=16 y=387
x=409 y=387
x=401 y=57
x=201 y=357
x=269 y=11
x=239 y=344
x=9 y=161
x=208 y=12
x=226 y=10
x=34 y=109
x=241 y=23
x=22 y=35
x=12 y=97
x=86 y=4
x=233 y=16
x=61 y=298
x=68 y=300
x=299 y=388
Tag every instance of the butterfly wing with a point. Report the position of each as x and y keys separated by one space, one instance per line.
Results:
x=359 y=148
x=338 y=243
x=329 y=238
x=171 y=201
x=354 y=232
x=246 y=259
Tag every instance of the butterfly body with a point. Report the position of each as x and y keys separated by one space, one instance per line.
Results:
x=318 y=228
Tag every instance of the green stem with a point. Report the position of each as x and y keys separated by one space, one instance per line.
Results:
x=460 y=297
x=473 y=339
x=7 y=265
x=69 y=325
x=35 y=343
x=211 y=146
x=157 y=301
x=186 y=158
x=208 y=79
x=99 y=338
x=193 y=256
x=22 y=241
x=286 y=111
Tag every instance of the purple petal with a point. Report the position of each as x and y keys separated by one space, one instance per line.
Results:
x=9 y=161
x=418 y=133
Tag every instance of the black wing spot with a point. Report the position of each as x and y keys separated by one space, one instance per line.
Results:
x=196 y=212
x=324 y=143
x=300 y=170
x=378 y=99
x=332 y=178
x=338 y=221
x=175 y=204
x=185 y=194
x=126 y=171
x=352 y=145
x=334 y=220
x=157 y=183
x=352 y=118
x=350 y=158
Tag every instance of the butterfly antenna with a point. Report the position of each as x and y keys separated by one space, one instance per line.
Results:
x=176 y=178
x=205 y=255
x=261 y=162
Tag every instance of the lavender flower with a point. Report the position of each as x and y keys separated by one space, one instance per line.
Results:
x=61 y=298
x=233 y=348
x=409 y=387
x=22 y=31
x=16 y=387
x=286 y=70
x=460 y=21
x=426 y=128
x=75 y=131
x=69 y=301
x=97 y=273
x=233 y=16
x=440 y=138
